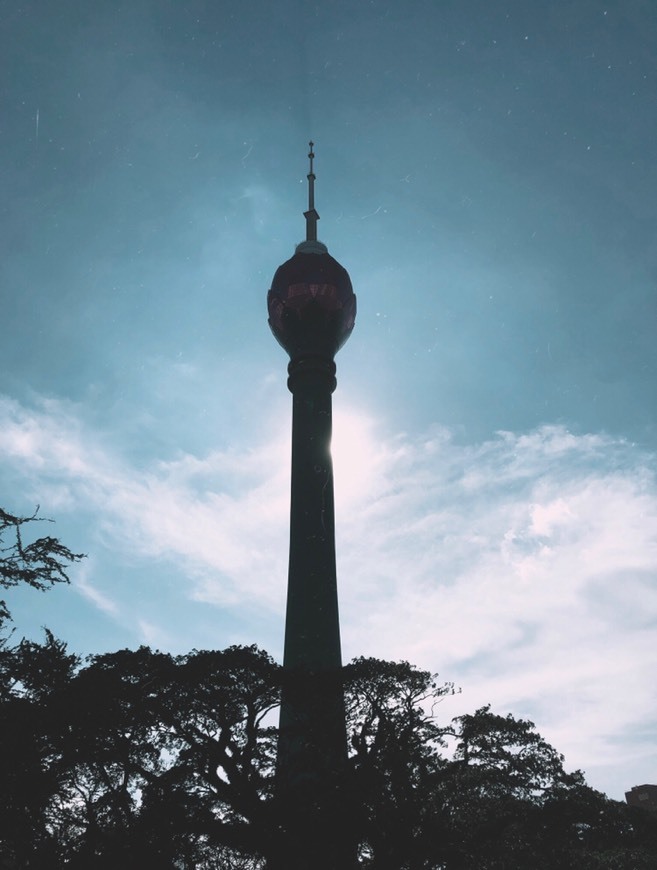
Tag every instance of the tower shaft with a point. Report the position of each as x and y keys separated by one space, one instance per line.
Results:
x=312 y=631
x=312 y=750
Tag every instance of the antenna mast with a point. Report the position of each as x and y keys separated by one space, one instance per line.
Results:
x=311 y=215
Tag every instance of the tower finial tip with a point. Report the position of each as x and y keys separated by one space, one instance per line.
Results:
x=311 y=215
x=311 y=156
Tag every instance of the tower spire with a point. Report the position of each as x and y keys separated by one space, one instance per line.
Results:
x=311 y=215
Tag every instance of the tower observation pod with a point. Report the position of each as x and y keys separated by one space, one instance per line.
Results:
x=312 y=309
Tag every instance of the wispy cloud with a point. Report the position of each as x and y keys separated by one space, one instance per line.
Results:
x=221 y=517
x=85 y=587
x=522 y=567
x=525 y=568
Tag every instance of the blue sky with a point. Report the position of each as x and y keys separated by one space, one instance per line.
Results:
x=486 y=173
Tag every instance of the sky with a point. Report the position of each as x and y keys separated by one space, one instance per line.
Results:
x=486 y=172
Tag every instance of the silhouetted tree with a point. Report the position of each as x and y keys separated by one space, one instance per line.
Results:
x=39 y=564
x=397 y=750
x=31 y=771
x=138 y=758
x=29 y=673
x=142 y=759
x=494 y=790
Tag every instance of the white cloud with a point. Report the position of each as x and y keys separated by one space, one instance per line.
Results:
x=85 y=587
x=222 y=517
x=523 y=567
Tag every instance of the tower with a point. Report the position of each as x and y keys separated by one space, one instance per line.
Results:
x=312 y=309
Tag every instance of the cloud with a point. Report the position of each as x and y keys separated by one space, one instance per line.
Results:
x=522 y=567
x=99 y=599
x=221 y=518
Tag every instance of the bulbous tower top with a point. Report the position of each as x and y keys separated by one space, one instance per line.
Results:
x=312 y=306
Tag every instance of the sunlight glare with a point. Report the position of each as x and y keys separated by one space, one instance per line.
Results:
x=354 y=452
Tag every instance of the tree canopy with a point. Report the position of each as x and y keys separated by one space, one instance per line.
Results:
x=139 y=758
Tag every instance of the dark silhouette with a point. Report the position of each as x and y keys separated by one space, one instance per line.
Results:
x=312 y=308
x=644 y=796
x=141 y=759
x=39 y=564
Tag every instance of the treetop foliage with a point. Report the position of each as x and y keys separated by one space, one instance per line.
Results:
x=139 y=758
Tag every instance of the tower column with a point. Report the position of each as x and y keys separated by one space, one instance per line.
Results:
x=312 y=630
x=312 y=309
x=312 y=750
